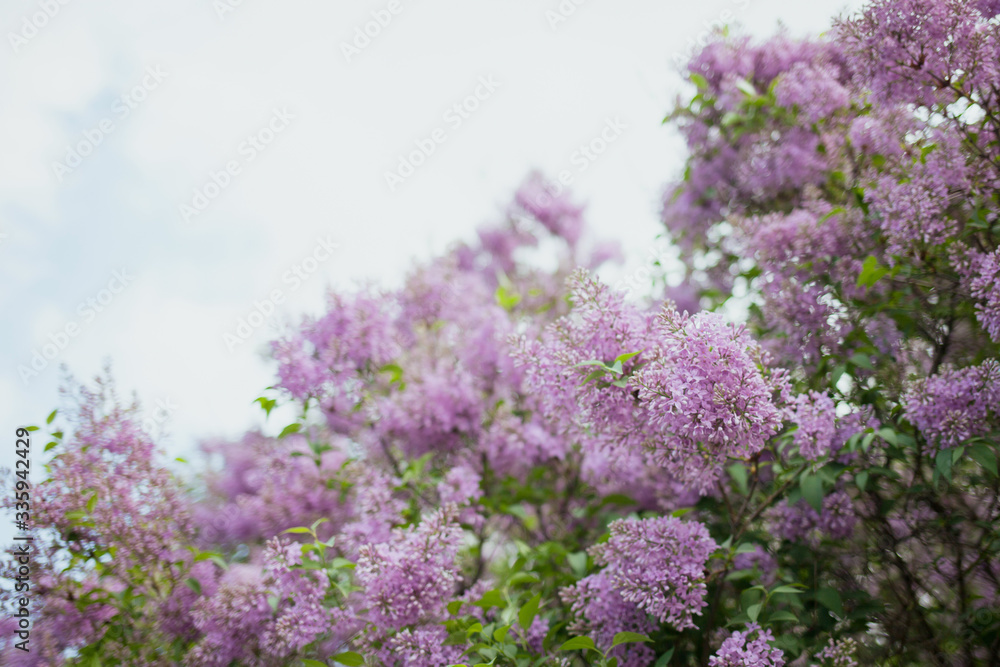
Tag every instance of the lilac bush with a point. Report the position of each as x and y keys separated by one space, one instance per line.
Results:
x=508 y=462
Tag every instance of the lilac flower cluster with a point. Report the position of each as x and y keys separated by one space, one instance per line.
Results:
x=697 y=390
x=758 y=559
x=799 y=522
x=653 y=567
x=738 y=650
x=266 y=485
x=924 y=51
x=955 y=404
x=815 y=415
x=984 y=284
x=599 y=611
x=238 y=622
x=423 y=647
x=708 y=390
x=659 y=566
x=110 y=478
x=839 y=653
x=410 y=578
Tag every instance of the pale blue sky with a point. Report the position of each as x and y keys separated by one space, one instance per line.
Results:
x=197 y=85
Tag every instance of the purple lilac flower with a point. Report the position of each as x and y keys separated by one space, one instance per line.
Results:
x=659 y=566
x=738 y=650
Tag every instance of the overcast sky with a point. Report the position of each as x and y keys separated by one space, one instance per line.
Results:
x=168 y=164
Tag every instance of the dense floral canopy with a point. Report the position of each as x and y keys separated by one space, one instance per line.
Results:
x=503 y=464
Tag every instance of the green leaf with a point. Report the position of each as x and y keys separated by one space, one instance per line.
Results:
x=578 y=643
x=628 y=638
x=526 y=614
x=593 y=376
x=782 y=615
x=523 y=578
x=739 y=619
x=830 y=599
x=787 y=589
x=863 y=360
x=888 y=435
x=348 y=658
x=267 y=404
x=578 y=561
x=273 y=601
x=314 y=663
x=942 y=463
x=867 y=441
x=52 y=415
x=871 y=272
x=985 y=457
x=833 y=212
x=665 y=658
x=454 y=606
x=617 y=499
x=838 y=372
x=397 y=373
x=753 y=611
x=739 y=474
x=193 y=584
x=501 y=633
x=506 y=298
x=699 y=81
x=622 y=358
x=861 y=479
x=298 y=529
x=51 y=445
x=288 y=430
x=746 y=87
x=490 y=599
x=812 y=490
x=730 y=118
